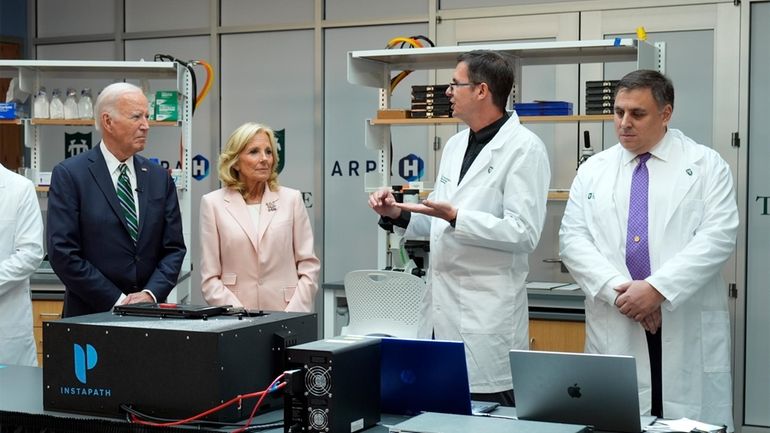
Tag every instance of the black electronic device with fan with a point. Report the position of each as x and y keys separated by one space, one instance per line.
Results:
x=336 y=386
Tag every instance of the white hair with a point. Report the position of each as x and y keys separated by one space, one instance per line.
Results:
x=108 y=98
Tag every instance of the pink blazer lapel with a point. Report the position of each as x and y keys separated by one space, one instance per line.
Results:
x=270 y=206
x=236 y=207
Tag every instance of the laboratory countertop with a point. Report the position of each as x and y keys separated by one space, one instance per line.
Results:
x=551 y=301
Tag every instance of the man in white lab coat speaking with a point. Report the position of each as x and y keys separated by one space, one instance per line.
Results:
x=21 y=251
x=484 y=217
x=648 y=226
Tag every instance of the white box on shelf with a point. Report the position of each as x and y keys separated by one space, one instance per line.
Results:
x=43 y=178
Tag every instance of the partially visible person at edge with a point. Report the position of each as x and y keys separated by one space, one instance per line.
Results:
x=21 y=251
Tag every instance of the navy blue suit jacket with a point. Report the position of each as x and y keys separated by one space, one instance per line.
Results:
x=89 y=246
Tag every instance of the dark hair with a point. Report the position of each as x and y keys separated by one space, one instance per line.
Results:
x=493 y=68
x=661 y=87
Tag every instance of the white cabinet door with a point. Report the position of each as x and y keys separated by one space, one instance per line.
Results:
x=756 y=345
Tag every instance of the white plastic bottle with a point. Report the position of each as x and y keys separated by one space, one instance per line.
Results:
x=85 y=106
x=56 y=106
x=41 y=105
x=71 y=105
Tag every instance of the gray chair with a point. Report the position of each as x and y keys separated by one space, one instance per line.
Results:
x=384 y=303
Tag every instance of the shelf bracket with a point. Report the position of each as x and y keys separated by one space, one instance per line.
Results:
x=660 y=48
x=377 y=136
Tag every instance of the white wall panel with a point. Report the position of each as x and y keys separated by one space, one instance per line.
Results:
x=466 y=4
x=81 y=51
x=758 y=250
x=266 y=12
x=75 y=17
x=154 y=15
x=374 y=9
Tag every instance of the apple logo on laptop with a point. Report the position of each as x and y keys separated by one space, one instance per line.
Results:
x=574 y=391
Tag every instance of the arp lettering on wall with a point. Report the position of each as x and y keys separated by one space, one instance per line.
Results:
x=410 y=168
x=200 y=166
x=765 y=200
x=165 y=164
x=77 y=143
x=353 y=167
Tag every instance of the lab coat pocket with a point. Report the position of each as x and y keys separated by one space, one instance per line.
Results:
x=288 y=293
x=229 y=278
x=484 y=306
x=715 y=326
x=686 y=220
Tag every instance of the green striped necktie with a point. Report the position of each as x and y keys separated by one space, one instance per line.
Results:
x=126 y=198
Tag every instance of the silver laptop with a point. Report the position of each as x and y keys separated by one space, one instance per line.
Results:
x=430 y=422
x=577 y=388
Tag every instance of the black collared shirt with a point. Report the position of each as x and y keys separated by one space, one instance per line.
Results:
x=477 y=141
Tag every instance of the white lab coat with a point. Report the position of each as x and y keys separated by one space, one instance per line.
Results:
x=693 y=221
x=476 y=281
x=21 y=251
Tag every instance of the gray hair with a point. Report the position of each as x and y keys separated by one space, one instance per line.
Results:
x=105 y=102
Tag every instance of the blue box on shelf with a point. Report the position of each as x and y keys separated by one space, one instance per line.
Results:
x=543 y=108
x=7 y=110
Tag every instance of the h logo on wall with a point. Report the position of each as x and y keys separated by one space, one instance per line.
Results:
x=280 y=138
x=85 y=359
x=411 y=167
x=76 y=143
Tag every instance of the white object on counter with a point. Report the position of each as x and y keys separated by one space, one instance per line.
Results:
x=71 y=105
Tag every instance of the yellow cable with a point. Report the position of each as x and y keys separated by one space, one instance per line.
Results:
x=209 y=82
x=410 y=41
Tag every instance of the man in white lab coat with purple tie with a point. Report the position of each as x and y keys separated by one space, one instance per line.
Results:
x=649 y=224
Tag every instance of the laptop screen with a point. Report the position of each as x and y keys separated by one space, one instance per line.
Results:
x=577 y=388
x=424 y=375
x=151 y=309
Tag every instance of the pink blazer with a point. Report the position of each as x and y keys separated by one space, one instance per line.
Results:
x=270 y=268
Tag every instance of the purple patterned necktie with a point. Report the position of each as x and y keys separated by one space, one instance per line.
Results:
x=637 y=247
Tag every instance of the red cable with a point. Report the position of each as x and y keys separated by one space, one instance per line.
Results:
x=259 y=402
x=239 y=398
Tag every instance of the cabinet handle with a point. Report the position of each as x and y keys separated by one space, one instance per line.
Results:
x=50 y=315
x=532 y=342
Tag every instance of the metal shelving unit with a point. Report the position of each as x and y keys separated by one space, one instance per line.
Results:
x=373 y=68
